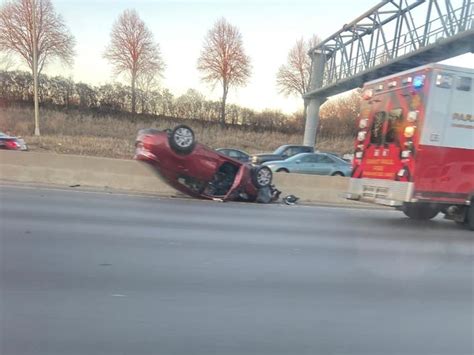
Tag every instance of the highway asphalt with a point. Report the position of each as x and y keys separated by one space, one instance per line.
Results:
x=104 y=273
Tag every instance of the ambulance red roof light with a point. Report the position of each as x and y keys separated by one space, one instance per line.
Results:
x=407 y=80
x=392 y=84
x=367 y=95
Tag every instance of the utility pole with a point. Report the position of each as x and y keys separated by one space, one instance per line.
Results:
x=318 y=60
x=35 y=69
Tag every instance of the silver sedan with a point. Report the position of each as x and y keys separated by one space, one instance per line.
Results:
x=312 y=163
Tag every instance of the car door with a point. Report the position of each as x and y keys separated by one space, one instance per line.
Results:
x=303 y=164
x=238 y=182
x=323 y=165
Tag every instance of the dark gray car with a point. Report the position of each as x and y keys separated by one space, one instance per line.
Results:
x=281 y=153
x=235 y=154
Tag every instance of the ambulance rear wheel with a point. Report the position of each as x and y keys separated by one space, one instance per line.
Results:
x=470 y=216
x=420 y=211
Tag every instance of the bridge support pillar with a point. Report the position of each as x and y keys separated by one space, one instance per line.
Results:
x=318 y=60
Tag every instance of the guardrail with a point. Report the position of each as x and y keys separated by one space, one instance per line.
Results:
x=130 y=175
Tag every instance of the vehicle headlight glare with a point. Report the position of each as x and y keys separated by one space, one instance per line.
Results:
x=409 y=131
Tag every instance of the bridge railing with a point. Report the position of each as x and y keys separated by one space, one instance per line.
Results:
x=362 y=46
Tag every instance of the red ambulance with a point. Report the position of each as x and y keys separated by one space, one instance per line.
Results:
x=415 y=144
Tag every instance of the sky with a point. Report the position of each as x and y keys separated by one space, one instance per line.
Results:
x=269 y=29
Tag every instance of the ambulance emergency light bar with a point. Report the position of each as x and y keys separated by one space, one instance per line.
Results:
x=416 y=82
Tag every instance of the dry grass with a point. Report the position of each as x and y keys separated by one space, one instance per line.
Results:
x=76 y=133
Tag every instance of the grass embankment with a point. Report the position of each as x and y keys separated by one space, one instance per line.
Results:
x=108 y=136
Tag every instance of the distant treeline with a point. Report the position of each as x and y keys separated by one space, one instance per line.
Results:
x=16 y=88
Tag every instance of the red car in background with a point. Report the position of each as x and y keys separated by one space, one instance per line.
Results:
x=12 y=143
x=201 y=172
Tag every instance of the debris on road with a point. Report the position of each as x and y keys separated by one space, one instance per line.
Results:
x=290 y=200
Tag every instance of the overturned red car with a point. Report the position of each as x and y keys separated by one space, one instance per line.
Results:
x=201 y=172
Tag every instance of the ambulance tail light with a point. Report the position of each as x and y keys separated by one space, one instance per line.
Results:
x=409 y=131
x=361 y=136
x=363 y=123
x=406 y=154
x=412 y=116
x=402 y=173
x=359 y=155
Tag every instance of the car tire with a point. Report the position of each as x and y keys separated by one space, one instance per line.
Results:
x=337 y=173
x=262 y=176
x=282 y=170
x=420 y=211
x=181 y=139
x=470 y=216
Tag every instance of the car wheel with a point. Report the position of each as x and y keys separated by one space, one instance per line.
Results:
x=262 y=176
x=337 y=173
x=282 y=170
x=181 y=139
x=420 y=211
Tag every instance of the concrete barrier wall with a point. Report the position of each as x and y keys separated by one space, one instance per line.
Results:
x=313 y=188
x=129 y=175
x=70 y=170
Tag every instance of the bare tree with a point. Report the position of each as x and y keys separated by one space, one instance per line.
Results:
x=54 y=40
x=293 y=77
x=223 y=60
x=33 y=30
x=6 y=62
x=146 y=84
x=133 y=51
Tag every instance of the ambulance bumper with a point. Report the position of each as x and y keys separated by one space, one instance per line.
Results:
x=382 y=192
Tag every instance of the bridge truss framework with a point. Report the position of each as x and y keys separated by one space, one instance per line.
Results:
x=393 y=36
